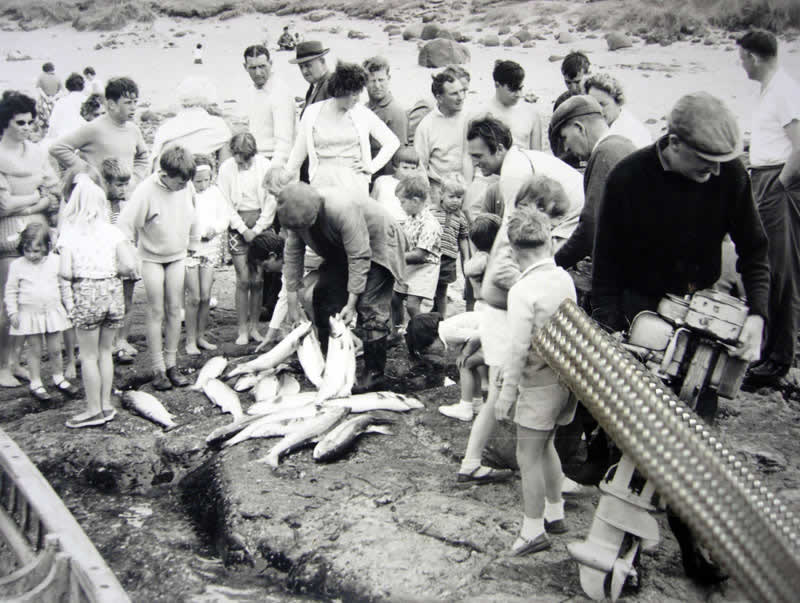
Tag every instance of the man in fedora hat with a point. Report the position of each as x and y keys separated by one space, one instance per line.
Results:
x=310 y=58
x=662 y=220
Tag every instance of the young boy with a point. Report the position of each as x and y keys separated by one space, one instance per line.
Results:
x=117 y=182
x=423 y=236
x=455 y=236
x=161 y=215
x=265 y=256
x=542 y=402
x=384 y=191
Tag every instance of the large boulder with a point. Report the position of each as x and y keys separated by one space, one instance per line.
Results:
x=523 y=35
x=490 y=40
x=565 y=37
x=617 y=40
x=441 y=52
x=412 y=32
x=511 y=41
x=430 y=31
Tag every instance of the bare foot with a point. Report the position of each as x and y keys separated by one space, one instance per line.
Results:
x=21 y=372
x=205 y=345
x=242 y=339
x=8 y=380
x=256 y=336
x=192 y=350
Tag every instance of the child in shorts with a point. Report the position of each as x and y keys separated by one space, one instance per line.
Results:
x=161 y=216
x=93 y=254
x=455 y=236
x=423 y=240
x=542 y=402
x=213 y=218
x=384 y=190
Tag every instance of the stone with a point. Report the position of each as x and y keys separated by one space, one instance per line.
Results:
x=354 y=34
x=490 y=40
x=565 y=37
x=523 y=35
x=461 y=37
x=441 y=52
x=529 y=44
x=412 y=32
x=511 y=41
x=430 y=31
x=553 y=58
x=505 y=29
x=617 y=40
x=769 y=460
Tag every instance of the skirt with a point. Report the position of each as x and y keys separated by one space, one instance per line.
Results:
x=35 y=320
x=421 y=279
x=333 y=174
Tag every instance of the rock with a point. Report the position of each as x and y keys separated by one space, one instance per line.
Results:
x=412 y=32
x=356 y=35
x=17 y=55
x=334 y=29
x=523 y=35
x=441 y=52
x=553 y=58
x=565 y=37
x=769 y=460
x=317 y=16
x=113 y=17
x=709 y=42
x=430 y=31
x=511 y=41
x=179 y=34
x=529 y=44
x=428 y=17
x=461 y=37
x=98 y=46
x=651 y=121
x=490 y=40
x=148 y=115
x=392 y=28
x=617 y=40
x=505 y=29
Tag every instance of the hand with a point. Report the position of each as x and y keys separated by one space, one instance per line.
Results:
x=293 y=311
x=14 y=320
x=749 y=347
x=272 y=336
x=248 y=235
x=348 y=314
x=360 y=168
x=502 y=407
x=471 y=346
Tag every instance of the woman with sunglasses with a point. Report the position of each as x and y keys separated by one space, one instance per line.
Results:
x=28 y=188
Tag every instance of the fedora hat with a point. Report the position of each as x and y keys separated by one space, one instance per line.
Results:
x=308 y=51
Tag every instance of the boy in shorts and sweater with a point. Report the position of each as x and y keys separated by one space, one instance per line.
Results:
x=542 y=403
x=455 y=236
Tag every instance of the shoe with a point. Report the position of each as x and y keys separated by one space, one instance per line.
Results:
x=372 y=382
x=526 y=547
x=70 y=389
x=124 y=357
x=161 y=382
x=461 y=411
x=109 y=413
x=556 y=526
x=489 y=476
x=176 y=378
x=374 y=365
x=41 y=394
x=766 y=374
x=93 y=421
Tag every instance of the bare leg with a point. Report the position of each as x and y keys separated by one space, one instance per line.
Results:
x=35 y=359
x=531 y=445
x=7 y=357
x=242 y=297
x=69 y=339
x=106 y=365
x=153 y=277
x=191 y=303
x=256 y=293
x=174 y=279
x=483 y=425
x=88 y=342
x=206 y=282
x=440 y=299
x=413 y=303
x=123 y=333
x=54 y=351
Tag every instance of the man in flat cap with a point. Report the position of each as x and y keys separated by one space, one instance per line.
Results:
x=363 y=253
x=664 y=214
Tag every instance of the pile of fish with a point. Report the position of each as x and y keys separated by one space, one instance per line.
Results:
x=280 y=408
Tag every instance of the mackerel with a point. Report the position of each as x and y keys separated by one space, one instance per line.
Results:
x=276 y=355
x=211 y=370
x=339 y=439
x=224 y=397
x=148 y=406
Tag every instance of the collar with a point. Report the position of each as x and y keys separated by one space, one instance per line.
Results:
x=660 y=145
x=602 y=138
x=383 y=103
x=543 y=262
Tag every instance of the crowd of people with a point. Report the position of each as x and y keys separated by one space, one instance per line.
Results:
x=371 y=210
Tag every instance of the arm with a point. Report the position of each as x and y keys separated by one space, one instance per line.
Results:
x=505 y=271
x=15 y=205
x=520 y=326
x=126 y=258
x=65 y=279
x=131 y=218
x=353 y=230
x=416 y=256
x=294 y=253
x=141 y=166
x=791 y=169
x=466 y=251
x=385 y=137
x=64 y=149
x=11 y=297
x=283 y=118
x=222 y=213
x=225 y=181
x=299 y=151
x=268 y=208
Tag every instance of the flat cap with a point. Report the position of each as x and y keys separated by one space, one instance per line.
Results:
x=706 y=124
x=298 y=205
x=574 y=106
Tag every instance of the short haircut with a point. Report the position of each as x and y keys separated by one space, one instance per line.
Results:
x=74 y=82
x=484 y=230
x=244 y=144
x=492 y=131
x=508 y=73
x=759 y=42
x=34 y=232
x=113 y=169
x=200 y=159
x=347 y=78
x=545 y=194
x=413 y=187
x=117 y=87
x=608 y=84
x=266 y=243
x=176 y=161
x=256 y=50
x=48 y=67
x=15 y=103
x=454 y=183
x=91 y=105
x=406 y=154
x=70 y=178
x=528 y=228
x=440 y=79
x=89 y=70
x=575 y=63
x=458 y=72
x=378 y=63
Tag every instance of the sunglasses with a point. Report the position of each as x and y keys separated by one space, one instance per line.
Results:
x=22 y=122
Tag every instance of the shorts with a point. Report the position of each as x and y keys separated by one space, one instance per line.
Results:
x=542 y=407
x=447 y=270
x=495 y=339
x=200 y=261
x=98 y=303
x=421 y=280
x=236 y=243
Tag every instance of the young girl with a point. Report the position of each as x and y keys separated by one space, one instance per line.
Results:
x=213 y=218
x=455 y=236
x=423 y=235
x=161 y=216
x=93 y=253
x=34 y=307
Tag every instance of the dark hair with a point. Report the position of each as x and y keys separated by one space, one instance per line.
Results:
x=440 y=79
x=759 y=42
x=117 y=87
x=199 y=45
x=421 y=332
x=266 y=243
x=15 y=103
x=376 y=64
x=90 y=105
x=347 y=78
x=48 y=67
x=177 y=161
x=492 y=131
x=243 y=143
x=35 y=231
x=574 y=63
x=406 y=154
x=74 y=82
x=89 y=71
x=256 y=50
x=484 y=230
x=508 y=73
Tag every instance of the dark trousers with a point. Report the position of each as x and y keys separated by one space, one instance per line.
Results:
x=779 y=208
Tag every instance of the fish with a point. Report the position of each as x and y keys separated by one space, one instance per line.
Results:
x=267 y=427
x=247 y=382
x=305 y=411
x=211 y=370
x=267 y=388
x=339 y=363
x=148 y=406
x=371 y=401
x=224 y=397
x=311 y=359
x=308 y=430
x=230 y=429
x=282 y=403
x=339 y=439
x=288 y=385
x=276 y=355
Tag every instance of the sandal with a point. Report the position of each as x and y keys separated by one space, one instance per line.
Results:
x=525 y=547
x=489 y=476
x=41 y=394
x=70 y=389
x=93 y=421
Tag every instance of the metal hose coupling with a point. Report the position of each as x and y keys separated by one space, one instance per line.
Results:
x=749 y=531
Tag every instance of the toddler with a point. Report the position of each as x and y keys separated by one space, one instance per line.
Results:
x=34 y=307
x=384 y=190
x=455 y=236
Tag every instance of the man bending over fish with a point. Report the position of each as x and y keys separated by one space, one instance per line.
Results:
x=363 y=254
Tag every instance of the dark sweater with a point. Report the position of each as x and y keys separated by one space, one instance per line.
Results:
x=659 y=232
x=604 y=157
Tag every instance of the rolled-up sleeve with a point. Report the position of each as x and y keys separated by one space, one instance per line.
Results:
x=352 y=227
x=294 y=252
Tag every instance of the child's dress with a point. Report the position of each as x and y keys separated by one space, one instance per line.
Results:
x=423 y=231
x=32 y=294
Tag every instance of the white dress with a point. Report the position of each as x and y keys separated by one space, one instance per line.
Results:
x=32 y=294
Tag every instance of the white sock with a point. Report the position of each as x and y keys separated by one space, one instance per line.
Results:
x=554 y=511
x=477 y=401
x=465 y=403
x=532 y=527
x=36 y=384
x=469 y=465
x=58 y=378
